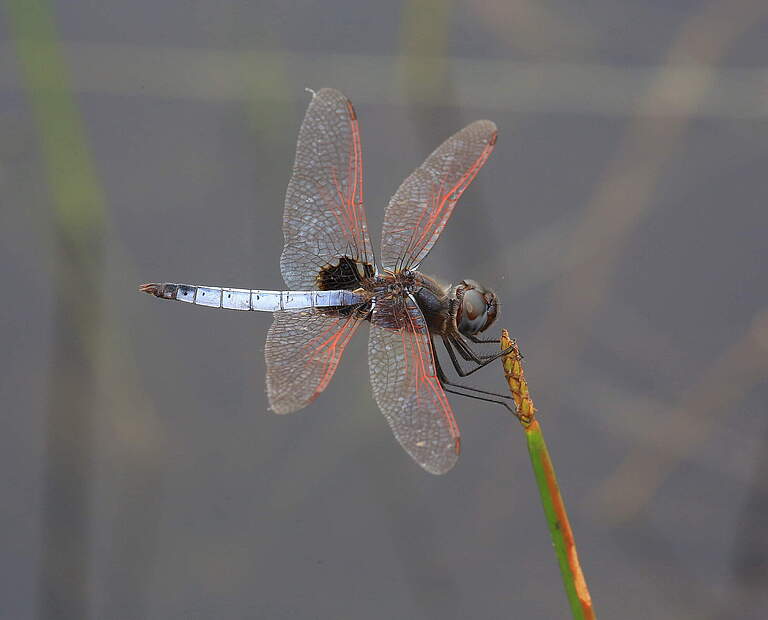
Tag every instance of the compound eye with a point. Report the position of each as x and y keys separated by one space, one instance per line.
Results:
x=474 y=304
x=472 y=313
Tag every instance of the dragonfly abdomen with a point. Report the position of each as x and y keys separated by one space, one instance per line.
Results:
x=251 y=299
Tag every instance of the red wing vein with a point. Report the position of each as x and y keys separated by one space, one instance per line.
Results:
x=302 y=352
x=426 y=374
x=421 y=207
x=406 y=387
x=324 y=216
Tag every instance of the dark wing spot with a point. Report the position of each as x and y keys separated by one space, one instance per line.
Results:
x=347 y=275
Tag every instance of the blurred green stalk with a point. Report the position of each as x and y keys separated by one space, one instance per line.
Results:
x=76 y=193
x=549 y=491
x=77 y=240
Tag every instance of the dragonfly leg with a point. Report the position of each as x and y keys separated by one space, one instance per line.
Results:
x=488 y=400
x=459 y=370
x=442 y=377
x=468 y=355
x=477 y=340
x=449 y=345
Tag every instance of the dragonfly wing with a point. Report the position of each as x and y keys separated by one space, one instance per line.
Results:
x=302 y=352
x=324 y=217
x=406 y=387
x=419 y=210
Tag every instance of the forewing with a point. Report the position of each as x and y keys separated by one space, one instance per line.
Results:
x=302 y=352
x=406 y=387
x=419 y=210
x=324 y=217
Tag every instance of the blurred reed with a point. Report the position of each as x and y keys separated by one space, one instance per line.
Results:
x=92 y=362
x=523 y=86
x=624 y=197
x=78 y=222
x=702 y=409
x=620 y=203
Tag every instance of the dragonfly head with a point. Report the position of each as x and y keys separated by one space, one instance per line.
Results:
x=476 y=309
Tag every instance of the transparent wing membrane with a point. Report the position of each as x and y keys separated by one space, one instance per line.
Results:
x=324 y=217
x=406 y=387
x=302 y=352
x=422 y=205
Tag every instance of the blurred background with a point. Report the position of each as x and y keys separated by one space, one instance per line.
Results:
x=621 y=219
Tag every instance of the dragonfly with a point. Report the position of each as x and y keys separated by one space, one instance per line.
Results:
x=334 y=284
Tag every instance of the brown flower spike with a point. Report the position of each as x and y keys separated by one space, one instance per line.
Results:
x=518 y=386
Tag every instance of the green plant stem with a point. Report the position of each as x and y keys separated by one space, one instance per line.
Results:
x=549 y=491
x=559 y=526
